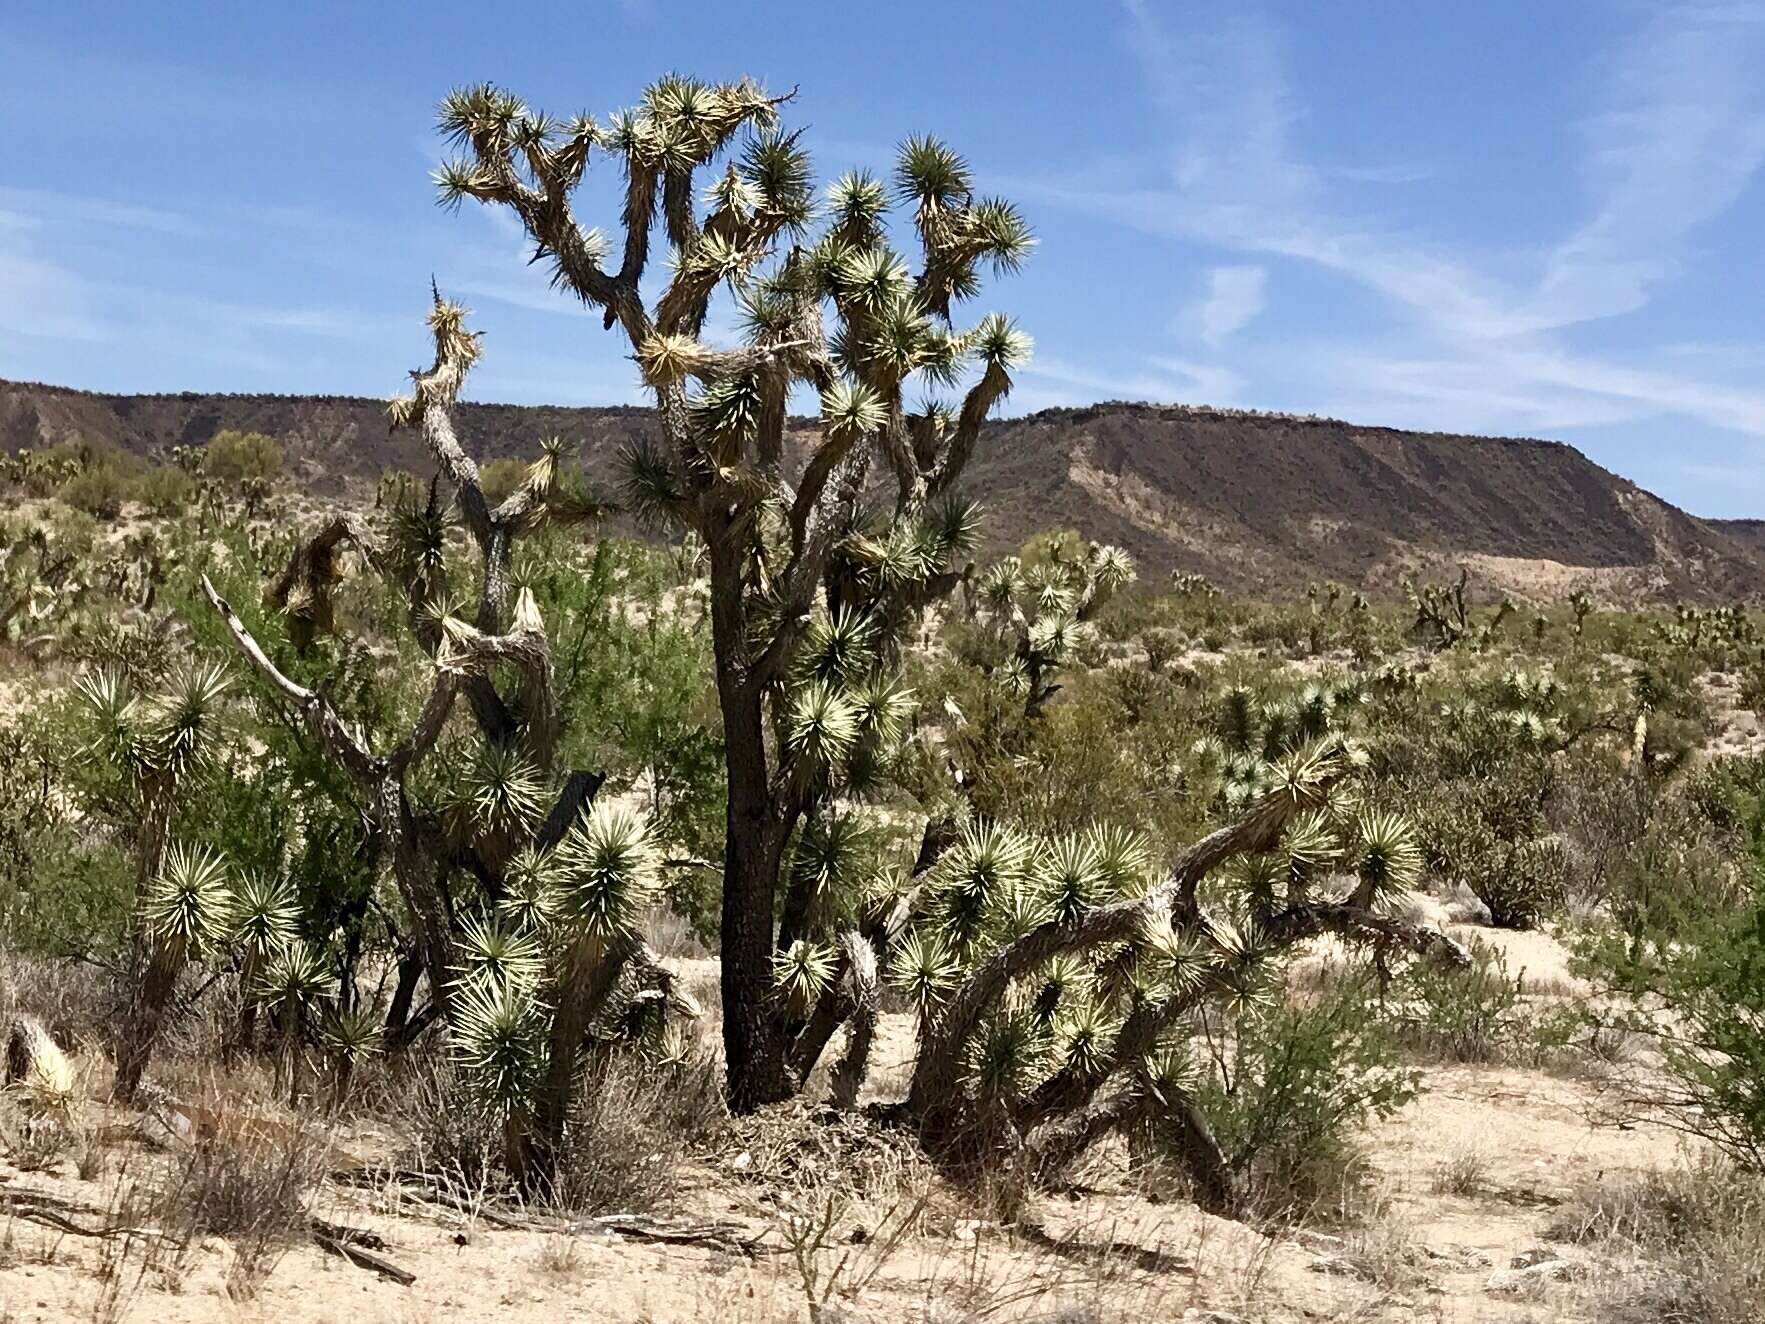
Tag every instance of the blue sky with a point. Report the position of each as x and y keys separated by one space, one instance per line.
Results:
x=1518 y=217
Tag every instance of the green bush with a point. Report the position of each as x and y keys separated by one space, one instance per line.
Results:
x=100 y=490
x=1471 y=1015
x=1700 y=1000
x=1295 y=1087
x=167 y=490
x=500 y=478
x=234 y=457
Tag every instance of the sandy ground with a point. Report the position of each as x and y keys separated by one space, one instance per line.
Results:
x=1429 y=1256
x=1518 y=1140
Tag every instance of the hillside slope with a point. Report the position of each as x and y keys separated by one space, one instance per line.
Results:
x=1256 y=502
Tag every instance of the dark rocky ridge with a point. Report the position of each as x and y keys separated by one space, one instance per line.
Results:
x=1258 y=502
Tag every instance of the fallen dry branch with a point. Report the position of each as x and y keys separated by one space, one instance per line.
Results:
x=50 y=1212
x=352 y=1245
x=436 y=1190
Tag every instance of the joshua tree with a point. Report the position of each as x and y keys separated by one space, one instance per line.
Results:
x=1058 y=984
x=38 y=573
x=506 y=788
x=159 y=744
x=1039 y=613
x=838 y=311
x=560 y=957
x=1443 y=615
x=1581 y=604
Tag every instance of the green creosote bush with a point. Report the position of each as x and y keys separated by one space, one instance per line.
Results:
x=234 y=457
x=1295 y=1086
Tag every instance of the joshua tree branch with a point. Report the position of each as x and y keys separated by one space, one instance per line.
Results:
x=320 y=717
x=994 y=385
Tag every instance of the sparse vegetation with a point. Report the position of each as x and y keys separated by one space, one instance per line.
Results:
x=400 y=827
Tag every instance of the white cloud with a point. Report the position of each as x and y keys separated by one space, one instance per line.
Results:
x=1170 y=380
x=1676 y=136
x=1234 y=298
x=44 y=205
x=41 y=299
x=1680 y=136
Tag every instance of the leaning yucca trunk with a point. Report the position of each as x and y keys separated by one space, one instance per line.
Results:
x=590 y=972
x=145 y=1018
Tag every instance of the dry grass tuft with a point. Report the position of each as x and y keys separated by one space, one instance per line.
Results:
x=1686 y=1244
x=633 y=1127
x=1460 y=1173
x=248 y=1185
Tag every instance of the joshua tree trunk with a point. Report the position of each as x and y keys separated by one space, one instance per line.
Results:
x=155 y=969
x=583 y=991
x=753 y=1038
x=141 y=1024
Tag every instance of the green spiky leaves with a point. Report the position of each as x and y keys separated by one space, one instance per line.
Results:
x=857 y=204
x=1390 y=857
x=163 y=736
x=498 y=1043
x=1009 y=1054
x=499 y=793
x=821 y=726
x=530 y=900
x=187 y=907
x=931 y=174
x=851 y=409
x=838 y=649
x=295 y=978
x=801 y=974
x=606 y=873
x=999 y=342
x=980 y=882
x=352 y=1035
x=1086 y=1039
x=490 y=953
x=1070 y=879
x=265 y=914
x=924 y=968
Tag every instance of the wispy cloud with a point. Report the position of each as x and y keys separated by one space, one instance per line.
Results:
x=1234 y=298
x=1676 y=134
x=1680 y=135
x=44 y=206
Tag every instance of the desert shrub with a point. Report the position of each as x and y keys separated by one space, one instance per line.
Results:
x=77 y=1002
x=1483 y=785
x=62 y=891
x=501 y=477
x=1688 y=1244
x=1675 y=870
x=235 y=457
x=451 y=1132
x=633 y=1124
x=234 y=1183
x=1462 y=1015
x=1162 y=647
x=246 y=1182
x=1293 y=1089
x=1700 y=999
x=99 y=490
x=167 y=490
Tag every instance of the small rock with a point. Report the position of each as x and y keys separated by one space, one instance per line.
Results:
x=742 y=1161
x=1536 y=1255
x=1516 y=1282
